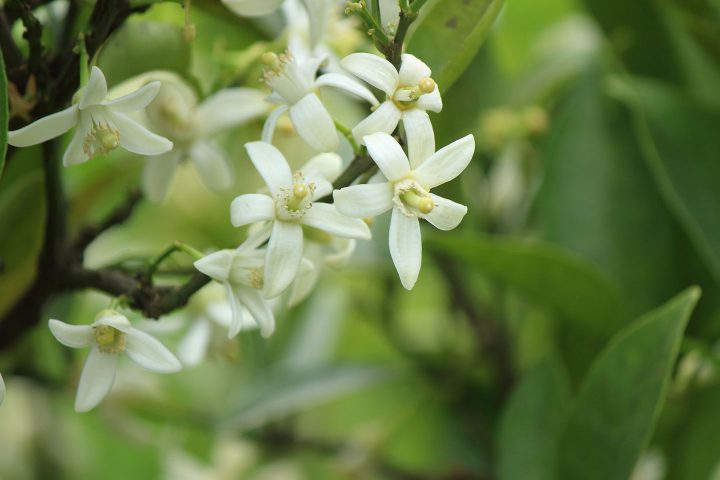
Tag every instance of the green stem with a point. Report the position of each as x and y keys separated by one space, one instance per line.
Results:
x=374 y=28
x=416 y=6
x=376 y=11
x=348 y=134
x=175 y=247
x=84 y=60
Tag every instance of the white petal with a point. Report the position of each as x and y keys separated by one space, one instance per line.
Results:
x=314 y=124
x=113 y=319
x=75 y=336
x=220 y=312
x=388 y=155
x=193 y=347
x=212 y=166
x=216 y=265
x=158 y=174
x=74 y=153
x=251 y=208
x=258 y=307
x=230 y=107
x=2 y=390
x=324 y=216
x=258 y=234
x=405 y=247
x=238 y=315
x=95 y=90
x=364 y=200
x=282 y=260
x=310 y=66
x=148 y=352
x=446 y=214
x=45 y=128
x=384 y=119
x=252 y=8
x=344 y=248
x=96 y=379
x=137 y=139
x=375 y=70
x=271 y=122
x=412 y=70
x=303 y=285
x=271 y=165
x=343 y=82
x=322 y=188
x=136 y=100
x=430 y=101
x=420 y=136
x=325 y=165
x=447 y=163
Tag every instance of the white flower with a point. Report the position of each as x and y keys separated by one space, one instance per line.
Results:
x=2 y=390
x=110 y=335
x=408 y=95
x=176 y=114
x=252 y=8
x=102 y=125
x=289 y=207
x=295 y=90
x=407 y=193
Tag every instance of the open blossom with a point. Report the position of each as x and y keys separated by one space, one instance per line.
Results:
x=407 y=193
x=176 y=114
x=408 y=95
x=101 y=125
x=110 y=335
x=291 y=207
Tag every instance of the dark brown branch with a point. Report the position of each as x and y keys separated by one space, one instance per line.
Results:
x=11 y=53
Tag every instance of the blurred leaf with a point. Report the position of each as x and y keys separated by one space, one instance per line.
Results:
x=3 y=114
x=621 y=397
x=547 y=274
x=532 y=422
x=448 y=35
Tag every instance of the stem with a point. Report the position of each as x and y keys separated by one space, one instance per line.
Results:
x=376 y=11
x=348 y=134
x=374 y=28
x=416 y=6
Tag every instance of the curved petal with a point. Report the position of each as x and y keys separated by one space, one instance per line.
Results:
x=230 y=107
x=137 y=139
x=114 y=319
x=412 y=70
x=375 y=70
x=148 y=352
x=193 y=347
x=271 y=165
x=282 y=259
x=325 y=216
x=325 y=165
x=158 y=174
x=322 y=188
x=136 y=100
x=314 y=124
x=271 y=122
x=388 y=155
x=74 y=152
x=252 y=8
x=343 y=82
x=96 y=379
x=420 y=136
x=365 y=200
x=303 y=285
x=344 y=248
x=258 y=307
x=447 y=163
x=75 y=336
x=45 y=128
x=95 y=91
x=446 y=214
x=384 y=119
x=251 y=208
x=405 y=247
x=430 y=101
x=216 y=265
x=212 y=166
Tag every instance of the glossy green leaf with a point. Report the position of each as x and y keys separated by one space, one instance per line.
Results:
x=3 y=114
x=620 y=399
x=449 y=33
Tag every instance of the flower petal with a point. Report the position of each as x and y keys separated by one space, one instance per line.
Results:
x=136 y=100
x=446 y=214
x=388 y=155
x=271 y=122
x=2 y=390
x=193 y=347
x=303 y=285
x=430 y=101
x=212 y=166
x=405 y=247
x=447 y=163
x=325 y=165
x=282 y=260
x=420 y=136
x=95 y=91
x=314 y=124
x=258 y=307
x=412 y=70
x=74 y=336
x=252 y=8
x=45 y=128
x=251 y=208
x=343 y=82
x=148 y=352
x=384 y=119
x=158 y=174
x=364 y=200
x=271 y=165
x=74 y=153
x=96 y=379
x=114 y=319
x=375 y=70
x=324 y=216
x=216 y=265
x=137 y=139
x=230 y=107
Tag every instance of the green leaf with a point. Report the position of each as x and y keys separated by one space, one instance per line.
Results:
x=448 y=35
x=3 y=114
x=620 y=399
x=547 y=274
x=532 y=422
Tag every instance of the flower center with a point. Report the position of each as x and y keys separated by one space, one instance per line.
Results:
x=109 y=339
x=412 y=199
x=101 y=140
x=405 y=97
x=292 y=203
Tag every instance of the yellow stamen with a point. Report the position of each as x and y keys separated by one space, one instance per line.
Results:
x=427 y=85
x=109 y=339
x=424 y=204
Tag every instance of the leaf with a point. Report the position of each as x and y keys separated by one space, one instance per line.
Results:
x=3 y=114
x=547 y=274
x=532 y=422
x=620 y=398
x=448 y=35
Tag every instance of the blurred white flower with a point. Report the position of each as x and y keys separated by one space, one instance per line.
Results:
x=177 y=114
x=102 y=125
x=110 y=335
x=407 y=193
x=2 y=390
x=289 y=206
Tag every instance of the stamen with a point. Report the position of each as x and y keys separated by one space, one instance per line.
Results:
x=101 y=140
x=300 y=190
x=423 y=203
x=109 y=339
x=427 y=85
